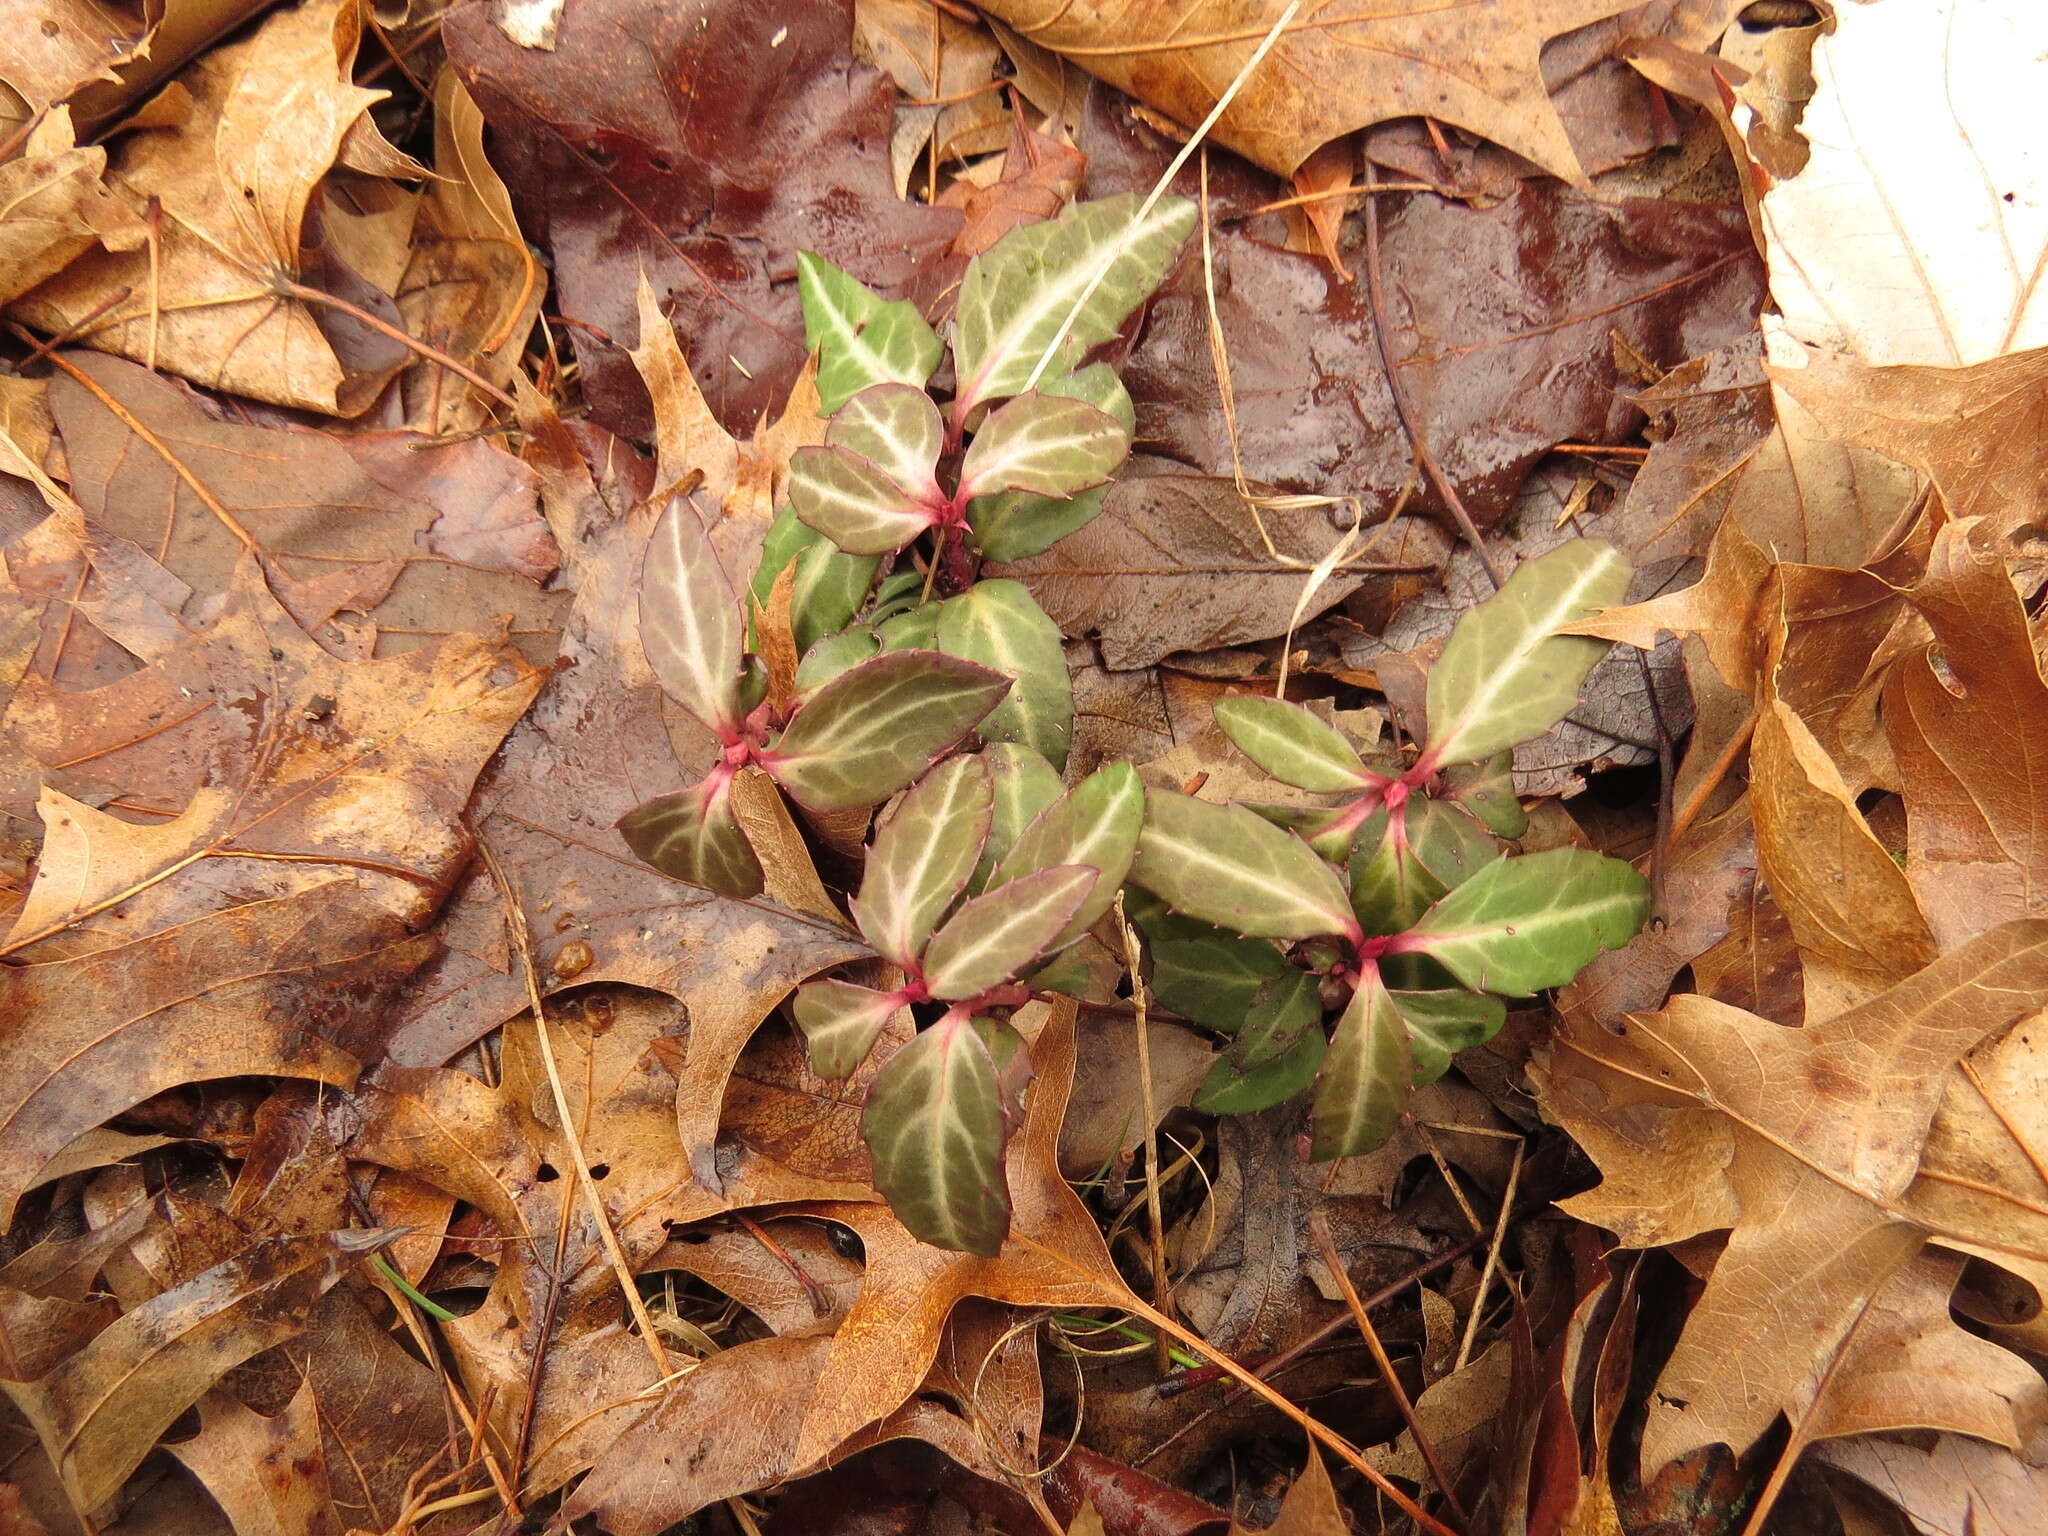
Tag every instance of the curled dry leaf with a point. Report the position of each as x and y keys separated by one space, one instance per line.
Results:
x=235 y=178
x=1695 y=1123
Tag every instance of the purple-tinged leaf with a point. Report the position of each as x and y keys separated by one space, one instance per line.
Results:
x=898 y=430
x=1225 y=865
x=921 y=857
x=690 y=624
x=934 y=1127
x=1049 y=445
x=853 y=502
x=694 y=837
x=860 y=339
x=1366 y=1076
x=878 y=725
x=841 y=1021
x=996 y=935
x=1095 y=823
x=1520 y=925
x=1293 y=745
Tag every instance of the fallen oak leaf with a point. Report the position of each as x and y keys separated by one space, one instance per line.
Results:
x=1473 y=66
x=265 y=1473
x=265 y=118
x=1689 y=1116
x=297 y=986
x=373 y=779
x=102 y=1410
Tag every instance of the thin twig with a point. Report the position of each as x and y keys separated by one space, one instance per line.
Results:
x=289 y=288
x=1500 y=1232
x=1162 y=1294
x=1319 y=1229
x=515 y=922
x=1418 y=442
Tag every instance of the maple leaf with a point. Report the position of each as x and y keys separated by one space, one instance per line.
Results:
x=233 y=160
x=1329 y=74
x=1806 y=1143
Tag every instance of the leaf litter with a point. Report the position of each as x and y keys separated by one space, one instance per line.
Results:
x=388 y=1148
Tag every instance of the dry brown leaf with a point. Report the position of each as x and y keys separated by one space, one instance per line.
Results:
x=932 y=54
x=1805 y=1142
x=1968 y=720
x=266 y=1474
x=294 y=987
x=594 y=745
x=502 y=1151
x=1310 y=1508
x=471 y=289
x=1329 y=74
x=422 y=538
x=265 y=119
x=101 y=1411
x=1850 y=907
x=314 y=767
x=1956 y=1487
x=54 y=207
x=1104 y=1118
x=826 y=1389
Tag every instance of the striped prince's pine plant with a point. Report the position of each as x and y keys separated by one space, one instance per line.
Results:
x=1394 y=909
x=1355 y=942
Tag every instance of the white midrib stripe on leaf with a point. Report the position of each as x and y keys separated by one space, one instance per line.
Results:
x=686 y=630
x=1548 y=917
x=1071 y=291
x=927 y=855
x=1057 y=893
x=1028 y=446
x=1499 y=680
x=856 y=737
x=945 y=1126
x=1292 y=896
x=831 y=493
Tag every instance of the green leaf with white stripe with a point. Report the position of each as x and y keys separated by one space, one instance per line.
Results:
x=934 y=1128
x=1293 y=745
x=690 y=621
x=860 y=338
x=1001 y=932
x=853 y=501
x=1366 y=1077
x=1095 y=823
x=1280 y=1011
x=840 y=1022
x=1227 y=866
x=1025 y=784
x=1232 y=1090
x=1213 y=979
x=878 y=725
x=1520 y=925
x=1326 y=828
x=1441 y=1024
x=1098 y=385
x=1487 y=790
x=1044 y=444
x=1506 y=675
x=921 y=857
x=1402 y=863
x=915 y=629
x=899 y=431
x=1000 y=625
x=830 y=584
x=694 y=837
x=1018 y=293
